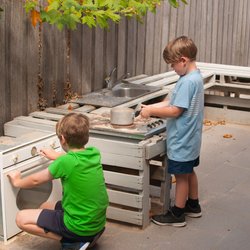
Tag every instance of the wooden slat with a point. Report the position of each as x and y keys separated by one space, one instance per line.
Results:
x=126 y=199
x=45 y=115
x=123 y=180
x=227 y=101
x=124 y=215
x=76 y=60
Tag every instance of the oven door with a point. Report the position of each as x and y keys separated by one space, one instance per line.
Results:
x=15 y=199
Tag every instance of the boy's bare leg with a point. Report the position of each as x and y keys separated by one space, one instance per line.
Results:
x=193 y=186
x=27 y=221
x=48 y=205
x=181 y=189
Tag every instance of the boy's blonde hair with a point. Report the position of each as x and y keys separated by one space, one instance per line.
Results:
x=75 y=129
x=180 y=47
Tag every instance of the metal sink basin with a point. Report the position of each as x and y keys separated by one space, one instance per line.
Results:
x=130 y=90
x=121 y=93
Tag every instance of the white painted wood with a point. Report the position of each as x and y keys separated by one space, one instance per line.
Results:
x=157 y=146
x=119 y=146
x=121 y=160
x=227 y=101
x=32 y=122
x=14 y=130
x=128 y=216
x=45 y=115
x=60 y=111
x=126 y=199
x=123 y=180
x=222 y=69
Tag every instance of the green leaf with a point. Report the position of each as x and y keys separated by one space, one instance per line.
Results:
x=89 y=20
x=93 y=12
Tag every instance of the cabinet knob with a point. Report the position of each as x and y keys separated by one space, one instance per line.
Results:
x=34 y=151
x=15 y=159
x=53 y=144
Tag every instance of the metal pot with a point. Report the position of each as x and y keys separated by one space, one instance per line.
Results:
x=122 y=116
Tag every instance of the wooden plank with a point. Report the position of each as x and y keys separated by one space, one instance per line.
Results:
x=48 y=61
x=16 y=55
x=59 y=69
x=203 y=32
x=87 y=59
x=219 y=37
x=242 y=89
x=120 y=160
x=149 y=45
x=32 y=63
x=192 y=21
x=32 y=122
x=111 y=49
x=117 y=146
x=225 y=38
x=209 y=30
x=76 y=60
x=140 y=50
x=165 y=30
x=222 y=69
x=122 y=47
x=227 y=101
x=156 y=146
x=4 y=82
x=99 y=74
x=21 y=131
x=123 y=180
x=126 y=199
x=216 y=13
x=157 y=53
x=131 y=47
x=124 y=215
x=244 y=32
x=60 y=111
x=45 y=115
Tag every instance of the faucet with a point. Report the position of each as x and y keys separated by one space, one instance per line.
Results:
x=109 y=79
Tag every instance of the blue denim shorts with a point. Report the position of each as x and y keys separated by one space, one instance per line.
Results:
x=185 y=167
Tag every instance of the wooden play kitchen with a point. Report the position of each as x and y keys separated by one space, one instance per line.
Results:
x=133 y=150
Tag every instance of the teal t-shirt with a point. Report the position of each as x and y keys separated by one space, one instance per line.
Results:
x=184 y=132
x=85 y=198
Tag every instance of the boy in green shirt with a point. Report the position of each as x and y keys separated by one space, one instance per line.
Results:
x=81 y=214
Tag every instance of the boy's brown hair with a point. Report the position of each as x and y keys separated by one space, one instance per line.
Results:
x=180 y=47
x=75 y=129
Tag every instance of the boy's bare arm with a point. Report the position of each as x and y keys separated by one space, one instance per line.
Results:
x=160 y=111
x=31 y=180
x=50 y=153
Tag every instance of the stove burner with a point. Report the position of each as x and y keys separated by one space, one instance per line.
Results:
x=155 y=124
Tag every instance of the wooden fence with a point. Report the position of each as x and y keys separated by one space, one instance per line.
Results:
x=220 y=28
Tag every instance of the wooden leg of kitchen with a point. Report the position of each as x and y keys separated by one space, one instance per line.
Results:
x=145 y=193
x=165 y=187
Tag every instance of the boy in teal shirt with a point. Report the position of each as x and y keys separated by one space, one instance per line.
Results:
x=184 y=130
x=81 y=214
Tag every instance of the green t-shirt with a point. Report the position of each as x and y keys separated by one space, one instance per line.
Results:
x=85 y=196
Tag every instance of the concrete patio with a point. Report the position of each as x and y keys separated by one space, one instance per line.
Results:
x=224 y=176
